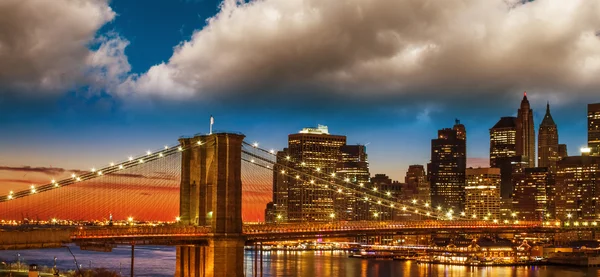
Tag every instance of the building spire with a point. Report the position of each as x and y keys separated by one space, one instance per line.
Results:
x=548 y=121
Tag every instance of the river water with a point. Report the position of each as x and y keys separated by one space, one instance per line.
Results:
x=160 y=261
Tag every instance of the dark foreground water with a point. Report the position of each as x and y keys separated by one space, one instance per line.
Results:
x=160 y=261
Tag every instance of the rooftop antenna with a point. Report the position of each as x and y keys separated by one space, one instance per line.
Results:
x=212 y=121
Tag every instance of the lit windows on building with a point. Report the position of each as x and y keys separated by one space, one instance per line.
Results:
x=482 y=193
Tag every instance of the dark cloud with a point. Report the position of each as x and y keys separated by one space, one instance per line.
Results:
x=388 y=49
x=44 y=46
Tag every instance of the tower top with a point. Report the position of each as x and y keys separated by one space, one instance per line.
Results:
x=525 y=101
x=547 y=121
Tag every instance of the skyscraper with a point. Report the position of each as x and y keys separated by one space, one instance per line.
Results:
x=578 y=187
x=594 y=129
x=281 y=181
x=416 y=180
x=503 y=152
x=446 y=171
x=352 y=166
x=530 y=196
x=482 y=193
x=562 y=151
x=525 y=141
x=548 y=142
x=314 y=151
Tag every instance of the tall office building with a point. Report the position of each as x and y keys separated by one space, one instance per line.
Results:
x=416 y=181
x=578 y=187
x=530 y=197
x=594 y=129
x=281 y=181
x=562 y=151
x=353 y=167
x=482 y=193
x=353 y=164
x=548 y=142
x=309 y=150
x=383 y=183
x=525 y=141
x=503 y=153
x=446 y=171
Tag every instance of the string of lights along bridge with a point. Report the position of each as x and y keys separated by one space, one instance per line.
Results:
x=146 y=188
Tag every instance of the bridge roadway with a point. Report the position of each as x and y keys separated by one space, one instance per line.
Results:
x=21 y=238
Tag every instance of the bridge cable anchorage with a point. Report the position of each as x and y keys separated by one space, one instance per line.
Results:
x=131 y=162
x=360 y=185
x=332 y=186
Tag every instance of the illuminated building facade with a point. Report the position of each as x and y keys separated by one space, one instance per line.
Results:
x=352 y=167
x=446 y=171
x=548 y=142
x=530 y=196
x=281 y=181
x=417 y=184
x=383 y=184
x=525 y=135
x=562 y=152
x=594 y=129
x=482 y=193
x=314 y=151
x=578 y=187
x=503 y=152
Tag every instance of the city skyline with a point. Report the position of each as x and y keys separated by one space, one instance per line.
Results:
x=104 y=80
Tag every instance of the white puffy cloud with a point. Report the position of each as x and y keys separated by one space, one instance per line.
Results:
x=45 y=45
x=385 y=46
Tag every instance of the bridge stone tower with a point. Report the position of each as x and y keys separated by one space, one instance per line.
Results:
x=211 y=195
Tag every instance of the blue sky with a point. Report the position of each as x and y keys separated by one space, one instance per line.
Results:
x=132 y=76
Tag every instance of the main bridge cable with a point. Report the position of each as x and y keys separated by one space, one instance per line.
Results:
x=384 y=202
x=387 y=204
x=368 y=193
x=107 y=170
x=360 y=185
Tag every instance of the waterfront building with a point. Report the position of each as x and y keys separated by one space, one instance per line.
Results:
x=383 y=184
x=281 y=180
x=446 y=171
x=578 y=187
x=482 y=193
x=530 y=197
x=352 y=167
x=314 y=151
x=525 y=135
x=416 y=182
x=593 y=117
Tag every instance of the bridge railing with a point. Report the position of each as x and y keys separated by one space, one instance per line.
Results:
x=380 y=225
x=139 y=231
